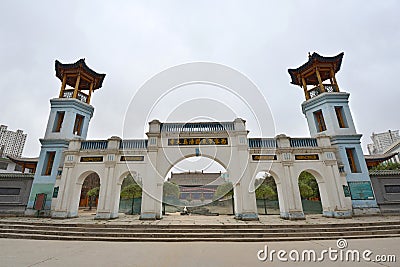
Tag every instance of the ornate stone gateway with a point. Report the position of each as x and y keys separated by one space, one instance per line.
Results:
x=225 y=142
x=333 y=155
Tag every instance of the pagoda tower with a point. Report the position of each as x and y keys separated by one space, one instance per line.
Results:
x=69 y=118
x=327 y=112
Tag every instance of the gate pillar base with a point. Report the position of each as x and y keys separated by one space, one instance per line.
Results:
x=103 y=215
x=343 y=214
x=149 y=216
x=59 y=214
x=293 y=215
x=247 y=216
x=30 y=212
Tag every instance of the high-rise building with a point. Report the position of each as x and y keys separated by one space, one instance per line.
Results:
x=381 y=141
x=11 y=143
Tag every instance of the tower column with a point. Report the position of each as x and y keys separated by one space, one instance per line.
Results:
x=63 y=84
x=305 y=88
x=319 y=80
x=78 y=79
x=334 y=80
x=90 y=93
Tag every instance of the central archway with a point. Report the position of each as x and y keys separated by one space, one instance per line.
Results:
x=197 y=183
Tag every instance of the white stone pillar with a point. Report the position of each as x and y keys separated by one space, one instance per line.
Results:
x=342 y=206
x=67 y=183
x=295 y=211
x=61 y=209
x=74 y=196
x=151 y=208
x=244 y=194
x=102 y=211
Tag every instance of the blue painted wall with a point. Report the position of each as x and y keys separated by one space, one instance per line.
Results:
x=342 y=138
x=57 y=142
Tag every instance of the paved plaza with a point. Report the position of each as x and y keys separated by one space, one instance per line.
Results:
x=70 y=253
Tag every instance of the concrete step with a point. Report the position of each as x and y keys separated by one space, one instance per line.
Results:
x=184 y=239
x=181 y=232
x=200 y=226
x=159 y=234
x=204 y=229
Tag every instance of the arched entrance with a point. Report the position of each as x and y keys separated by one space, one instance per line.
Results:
x=200 y=184
x=266 y=194
x=86 y=192
x=90 y=192
x=310 y=193
x=131 y=194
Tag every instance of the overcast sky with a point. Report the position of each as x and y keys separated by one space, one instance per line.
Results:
x=131 y=41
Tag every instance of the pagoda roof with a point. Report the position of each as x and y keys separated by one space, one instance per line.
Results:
x=374 y=160
x=314 y=60
x=29 y=163
x=80 y=66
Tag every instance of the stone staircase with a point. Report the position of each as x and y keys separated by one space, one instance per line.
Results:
x=192 y=233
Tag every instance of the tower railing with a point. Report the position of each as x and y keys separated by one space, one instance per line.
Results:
x=69 y=93
x=330 y=88
x=82 y=97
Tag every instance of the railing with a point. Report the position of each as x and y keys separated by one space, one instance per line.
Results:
x=198 y=127
x=92 y=145
x=133 y=144
x=330 y=88
x=252 y=142
x=69 y=93
x=314 y=92
x=262 y=142
x=82 y=97
x=303 y=142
